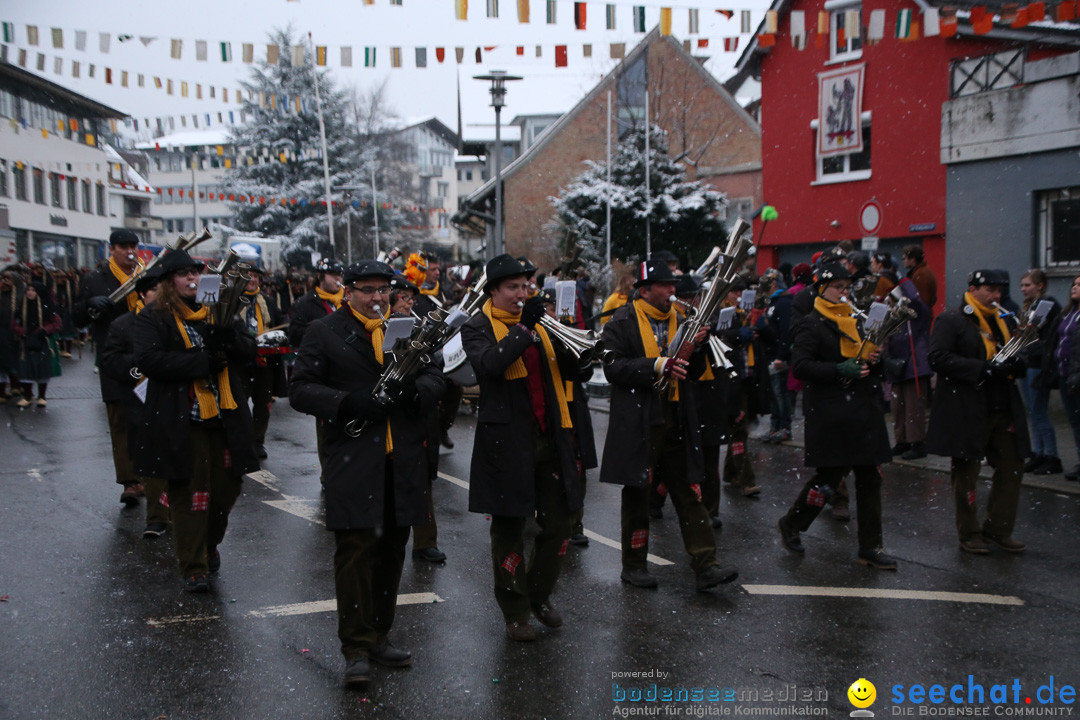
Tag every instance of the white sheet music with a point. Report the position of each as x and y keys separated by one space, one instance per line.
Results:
x=209 y=289
x=396 y=328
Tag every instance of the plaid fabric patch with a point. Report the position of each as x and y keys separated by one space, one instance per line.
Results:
x=971 y=498
x=200 y=501
x=697 y=490
x=661 y=489
x=164 y=499
x=228 y=459
x=738 y=448
x=639 y=539
x=815 y=498
x=562 y=549
x=511 y=562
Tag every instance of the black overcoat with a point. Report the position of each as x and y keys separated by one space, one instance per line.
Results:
x=327 y=369
x=501 y=477
x=960 y=404
x=845 y=418
x=117 y=361
x=307 y=309
x=636 y=407
x=164 y=448
x=100 y=281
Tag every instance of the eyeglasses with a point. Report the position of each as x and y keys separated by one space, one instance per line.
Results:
x=366 y=290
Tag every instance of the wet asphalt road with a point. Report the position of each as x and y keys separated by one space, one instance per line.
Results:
x=93 y=623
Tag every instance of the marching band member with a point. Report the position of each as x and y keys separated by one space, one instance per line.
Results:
x=198 y=437
x=976 y=411
x=654 y=437
x=266 y=377
x=845 y=421
x=376 y=480
x=524 y=462
x=94 y=308
x=118 y=362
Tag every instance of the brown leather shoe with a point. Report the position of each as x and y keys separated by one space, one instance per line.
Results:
x=1005 y=543
x=547 y=614
x=975 y=546
x=130 y=495
x=521 y=631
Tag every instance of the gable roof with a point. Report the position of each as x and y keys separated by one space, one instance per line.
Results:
x=51 y=94
x=555 y=128
x=1047 y=32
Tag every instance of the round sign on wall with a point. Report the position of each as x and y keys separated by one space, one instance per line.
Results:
x=870 y=217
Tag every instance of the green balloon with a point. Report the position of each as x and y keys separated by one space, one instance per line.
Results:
x=769 y=213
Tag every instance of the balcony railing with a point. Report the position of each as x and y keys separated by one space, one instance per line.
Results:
x=987 y=72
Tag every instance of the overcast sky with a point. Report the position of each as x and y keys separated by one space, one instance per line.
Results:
x=413 y=92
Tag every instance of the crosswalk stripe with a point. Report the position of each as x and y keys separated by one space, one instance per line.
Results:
x=879 y=593
x=304 y=608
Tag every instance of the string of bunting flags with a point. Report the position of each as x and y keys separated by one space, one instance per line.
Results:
x=942 y=21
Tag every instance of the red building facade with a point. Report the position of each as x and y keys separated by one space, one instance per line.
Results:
x=894 y=192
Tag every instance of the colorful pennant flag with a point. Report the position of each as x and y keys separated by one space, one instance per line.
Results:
x=493 y=8
x=369 y=57
x=727 y=13
x=32 y=35
x=226 y=52
x=560 y=56
x=665 y=21
x=798 y=29
x=550 y=12
x=931 y=22
x=461 y=9
x=421 y=57
x=903 y=24
x=320 y=55
x=617 y=51
x=247 y=53
x=692 y=22
x=346 y=56
x=80 y=40
x=744 y=22
x=579 y=15
x=103 y=42
x=200 y=51
x=639 y=18
x=58 y=38
x=523 y=11
x=875 y=29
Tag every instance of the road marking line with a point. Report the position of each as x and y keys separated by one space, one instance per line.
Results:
x=34 y=474
x=304 y=608
x=265 y=478
x=177 y=619
x=655 y=559
x=877 y=593
x=306 y=509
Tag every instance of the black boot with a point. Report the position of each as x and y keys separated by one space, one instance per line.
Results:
x=1033 y=462
x=1050 y=466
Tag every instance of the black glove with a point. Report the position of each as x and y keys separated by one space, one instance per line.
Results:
x=402 y=393
x=219 y=337
x=532 y=312
x=359 y=405
x=1016 y=366
x=100 y=304
x=995 y=371
x=216 y=364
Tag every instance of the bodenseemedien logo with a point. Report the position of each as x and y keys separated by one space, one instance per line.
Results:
x=862 y=694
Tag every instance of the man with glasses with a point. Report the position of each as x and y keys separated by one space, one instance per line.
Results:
x=376 y=467
x=94 y=308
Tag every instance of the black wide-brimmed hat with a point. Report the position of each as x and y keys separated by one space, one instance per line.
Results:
x=654 y=271
x=328 y=265
x=832 y=271
x=526 y=263
x=978 y=278
x=366 y=268
x=175 y=260
x=505 y=266
x=686 y=285
x=400 y=283
x=149 y=280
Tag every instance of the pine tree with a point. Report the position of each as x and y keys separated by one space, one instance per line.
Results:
x=683 y=217
x=281 y=159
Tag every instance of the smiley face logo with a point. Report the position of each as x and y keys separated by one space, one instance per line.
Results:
x=862 y=693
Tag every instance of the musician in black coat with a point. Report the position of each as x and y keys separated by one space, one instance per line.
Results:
x=94 y=308
x=654 y=437
x=524 y=462
x=977 y=411
x=265 y=378
x=198 y=428
x=118 y=362
x=375 y=469
x=845 y=417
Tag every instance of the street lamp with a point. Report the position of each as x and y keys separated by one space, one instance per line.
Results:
x=498 y=79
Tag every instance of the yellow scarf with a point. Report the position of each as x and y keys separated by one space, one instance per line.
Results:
x=133 y=301
x=840 y=313
x=261 y=310
x=517 y=370
x=334 y=298
x=981 y=314
x=432 y=291
x=644 y=311
x=377 y=329
x=208 y=405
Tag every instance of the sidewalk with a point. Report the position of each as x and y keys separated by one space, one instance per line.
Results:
x=1057 y=483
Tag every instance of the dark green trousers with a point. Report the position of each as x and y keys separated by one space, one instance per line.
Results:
x=822 y=486
x=521 y=580
x=200 y=507
x=737 y=468
x=1004 y=489
x=667 y=461
x=125 y=471
x=367 y=572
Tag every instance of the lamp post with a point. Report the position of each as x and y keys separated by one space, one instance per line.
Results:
x=498 y=79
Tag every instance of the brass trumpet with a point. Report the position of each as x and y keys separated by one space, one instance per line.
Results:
x=578 y=342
